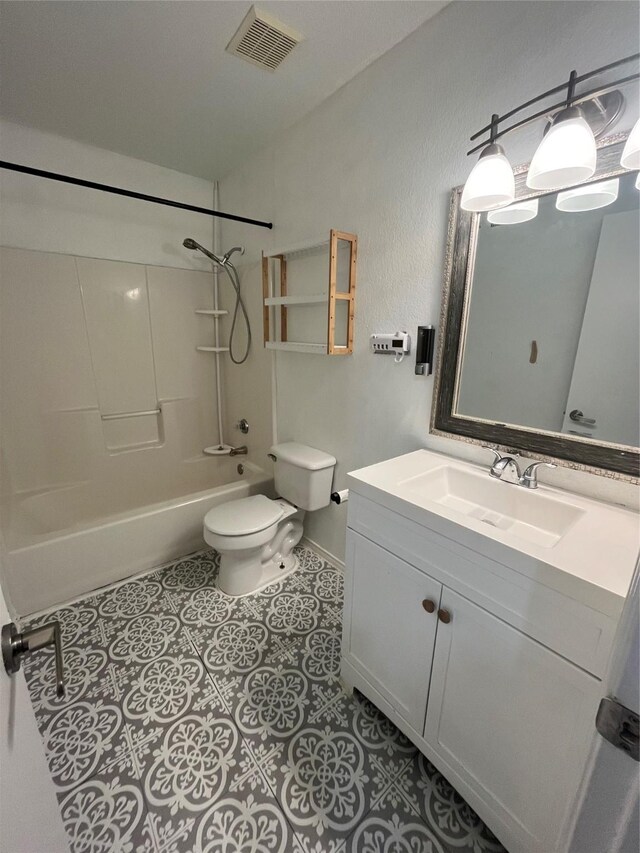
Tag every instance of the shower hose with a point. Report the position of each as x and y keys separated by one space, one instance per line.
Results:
x=235 y=281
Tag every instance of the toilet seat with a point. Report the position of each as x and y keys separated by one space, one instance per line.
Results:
x=243 y=517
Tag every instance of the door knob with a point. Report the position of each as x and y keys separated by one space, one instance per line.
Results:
x=429 y=605
x=15 y=645
x=444 y=616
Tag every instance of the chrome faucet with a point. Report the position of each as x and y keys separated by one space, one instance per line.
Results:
x=506 y=468
x=239 y=451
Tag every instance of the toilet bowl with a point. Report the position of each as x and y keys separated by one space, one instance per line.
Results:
x=255 y=536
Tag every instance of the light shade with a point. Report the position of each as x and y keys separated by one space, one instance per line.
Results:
x=566 y=155
x=514 y=214
x=491 y=183
x=631 y=153
x=588 y=196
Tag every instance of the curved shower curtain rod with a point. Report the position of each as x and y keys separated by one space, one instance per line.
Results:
x=105 y=188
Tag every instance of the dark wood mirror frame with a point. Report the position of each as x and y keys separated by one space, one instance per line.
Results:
x=600 y=457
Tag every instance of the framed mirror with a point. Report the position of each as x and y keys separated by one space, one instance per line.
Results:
x=539 y=350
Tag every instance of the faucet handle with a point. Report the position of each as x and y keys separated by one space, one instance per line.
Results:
x=530 y=477
x=494 y=450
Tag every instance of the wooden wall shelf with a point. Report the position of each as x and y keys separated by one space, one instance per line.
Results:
x=314 y=299
x=334 y=260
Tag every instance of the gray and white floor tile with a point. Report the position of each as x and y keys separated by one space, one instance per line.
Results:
x=106 y=813
x=199 y=723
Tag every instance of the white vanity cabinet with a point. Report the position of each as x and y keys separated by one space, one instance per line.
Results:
x=478 y=669
x=511 y=717
x=392 y=633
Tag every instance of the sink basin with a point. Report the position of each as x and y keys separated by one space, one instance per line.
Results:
x=580 y=547
x=526 y=515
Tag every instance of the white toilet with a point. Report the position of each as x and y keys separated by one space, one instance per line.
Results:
x=255 y=536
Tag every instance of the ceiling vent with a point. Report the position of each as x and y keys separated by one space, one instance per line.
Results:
x=262 y=40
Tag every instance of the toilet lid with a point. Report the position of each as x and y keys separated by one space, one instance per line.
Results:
x=239 y=518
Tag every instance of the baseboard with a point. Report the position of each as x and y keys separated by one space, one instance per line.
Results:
x=321 y=552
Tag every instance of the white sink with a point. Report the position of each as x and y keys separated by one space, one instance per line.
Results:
x=579 y=546
x=527 y=515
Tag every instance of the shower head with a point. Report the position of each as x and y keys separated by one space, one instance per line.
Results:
x=190 y=243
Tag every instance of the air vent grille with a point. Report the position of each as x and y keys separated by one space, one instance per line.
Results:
x=263 y=40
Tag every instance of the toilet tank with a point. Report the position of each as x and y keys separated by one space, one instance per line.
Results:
x=303 y=475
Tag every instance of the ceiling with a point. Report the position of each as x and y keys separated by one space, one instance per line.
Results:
x=152 y=79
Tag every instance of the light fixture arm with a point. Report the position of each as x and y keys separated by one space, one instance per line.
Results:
x=571 y=88
x=571 y=99
x=493 y=132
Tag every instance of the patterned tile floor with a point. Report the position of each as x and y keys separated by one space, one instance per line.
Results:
x=198 y=722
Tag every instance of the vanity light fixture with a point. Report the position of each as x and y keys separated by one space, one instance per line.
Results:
x=514 y=214
x=491 y=183
x=567 y=154
x=588 y=196
x=631 y=152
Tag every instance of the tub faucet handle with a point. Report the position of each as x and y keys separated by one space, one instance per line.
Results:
x=16 y=644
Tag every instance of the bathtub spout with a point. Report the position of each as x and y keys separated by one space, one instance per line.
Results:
x=239 y=451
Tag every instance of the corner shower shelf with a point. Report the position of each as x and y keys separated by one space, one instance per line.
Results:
x=218 y=450
x=312 y=265
x=211 y=312
x=212 y=349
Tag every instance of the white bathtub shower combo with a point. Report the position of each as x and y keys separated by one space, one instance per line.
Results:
x=106 y=414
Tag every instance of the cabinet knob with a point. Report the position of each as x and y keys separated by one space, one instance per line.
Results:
x=429 y=605
x=444 y=616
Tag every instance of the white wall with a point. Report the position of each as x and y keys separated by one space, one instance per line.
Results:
x=36 y=213
x=379 y=158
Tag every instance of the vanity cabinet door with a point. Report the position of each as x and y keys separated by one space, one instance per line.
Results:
x=390 y=626
x=511 y=718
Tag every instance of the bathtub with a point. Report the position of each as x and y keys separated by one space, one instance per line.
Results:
x=62 y=543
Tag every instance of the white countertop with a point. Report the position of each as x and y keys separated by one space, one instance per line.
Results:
x=592 y=562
